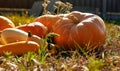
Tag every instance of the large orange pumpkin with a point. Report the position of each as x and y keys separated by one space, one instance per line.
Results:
x=35 y=28
x=5 y=23
x=84 y=29
x=49 y=20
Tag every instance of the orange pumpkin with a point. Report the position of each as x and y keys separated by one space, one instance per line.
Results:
x=18 y=48
x=35 y=28
x=5 y=23
x=84 y=29
x=48 y=20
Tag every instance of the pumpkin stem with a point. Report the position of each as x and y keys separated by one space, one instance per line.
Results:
x=29 y=36
x=74 y=18
x=50 y=37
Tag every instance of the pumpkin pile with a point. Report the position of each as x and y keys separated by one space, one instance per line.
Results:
x=19 y=41
x=75 y=28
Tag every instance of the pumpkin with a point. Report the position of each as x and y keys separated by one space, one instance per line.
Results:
x=35 y=28
x=48 y=20
x=83 y=29
x=18 y=48
x=5 y=23
x=11 y=35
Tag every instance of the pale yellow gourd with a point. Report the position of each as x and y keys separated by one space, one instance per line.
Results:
x=11 y=35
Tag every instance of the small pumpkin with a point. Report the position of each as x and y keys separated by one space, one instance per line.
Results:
x=84 y=29
x=5 y=23
x=48 y=20
x=35 y=28
x=11 y=35
x=19 y=48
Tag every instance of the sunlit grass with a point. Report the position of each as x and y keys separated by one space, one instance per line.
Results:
x=18 y=19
